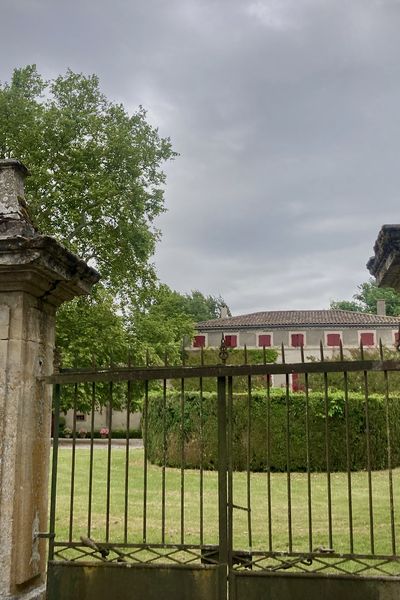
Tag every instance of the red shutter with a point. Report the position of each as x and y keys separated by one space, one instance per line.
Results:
x=264 y=340
x=367 y=339
x=231 y=341
x=333 y=339
x=297 y=340
x=396 y=338
x=199 y=341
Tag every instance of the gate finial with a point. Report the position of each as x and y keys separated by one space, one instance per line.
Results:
x=223 y=350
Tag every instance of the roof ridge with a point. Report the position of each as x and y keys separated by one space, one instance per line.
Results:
x=306 y=317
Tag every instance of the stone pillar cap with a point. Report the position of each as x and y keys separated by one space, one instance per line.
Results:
x=385 y=265
x=16 y=164
x=30 y=261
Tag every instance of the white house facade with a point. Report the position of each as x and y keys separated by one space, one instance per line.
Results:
x=300 y=329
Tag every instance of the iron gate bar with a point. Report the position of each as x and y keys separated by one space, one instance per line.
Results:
x=109 y=447
x=368 y=443
x=389 y=453
x=230 y=500
x=309 y=489
x=348 y=462
x=182 y=461
x=91 y=457
x=327 y=449
x=222 y=487
x=164 y=464
x=268 y=466
x=201 y=483
x=127 y=448
x=288 y=473
x=159 y=373
x=145 y=436
x=53 y=495
x=248 y=458
x=73 y=461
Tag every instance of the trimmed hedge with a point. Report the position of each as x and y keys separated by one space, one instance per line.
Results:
x=193 y=424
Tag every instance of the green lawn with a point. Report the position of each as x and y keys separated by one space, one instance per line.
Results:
x=192 y=505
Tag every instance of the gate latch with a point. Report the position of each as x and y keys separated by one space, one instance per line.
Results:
x=42 y=534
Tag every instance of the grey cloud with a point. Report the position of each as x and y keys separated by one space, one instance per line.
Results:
x=286 y=117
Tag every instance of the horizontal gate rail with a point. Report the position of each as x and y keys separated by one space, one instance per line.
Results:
x=68 y=376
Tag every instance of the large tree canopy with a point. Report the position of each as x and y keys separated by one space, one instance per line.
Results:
x=97 y=185
x=365 y=299
x=97 y=179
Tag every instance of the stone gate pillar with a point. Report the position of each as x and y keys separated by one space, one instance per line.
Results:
x=36 y=275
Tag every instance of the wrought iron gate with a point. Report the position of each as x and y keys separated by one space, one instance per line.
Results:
x=125 y=527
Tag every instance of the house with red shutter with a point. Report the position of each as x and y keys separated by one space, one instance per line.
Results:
x=296 y=329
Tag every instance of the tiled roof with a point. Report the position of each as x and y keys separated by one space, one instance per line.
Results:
x=300 y=318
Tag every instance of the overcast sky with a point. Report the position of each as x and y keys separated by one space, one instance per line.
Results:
x=286 y=115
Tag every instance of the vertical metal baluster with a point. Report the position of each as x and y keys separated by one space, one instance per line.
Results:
x=248 y=465
x=110 y=407
x=348 y=457
x=201 y=453
x=288 y=473
x=73 y=461
x=127 y=442
x=309 y=490
x=327 y=450
x=222 y=490
x=54 y=464
x=164 y=465
x=145 y=453
x=183 y=455
x=91 y=457
x=367 y=433
x=389 y=454
x=269 y=497
x=230 y=480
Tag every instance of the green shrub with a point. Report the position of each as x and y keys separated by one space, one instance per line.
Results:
x=236 y=356
x=61 y=424
x=200 y=431
x=116 y=434
x=121 y=434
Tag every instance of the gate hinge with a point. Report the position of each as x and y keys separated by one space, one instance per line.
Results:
x=42 y=534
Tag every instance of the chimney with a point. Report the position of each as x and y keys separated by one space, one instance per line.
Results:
x=381 y=308
x=224 y=312
x=14 y=218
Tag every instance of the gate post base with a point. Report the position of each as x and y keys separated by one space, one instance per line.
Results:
x=37 y=593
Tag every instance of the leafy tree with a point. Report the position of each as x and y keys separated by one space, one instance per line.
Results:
x=97 y=186
x=162 y=326
x=366 y=298
x=97 y=182
x=170 y=318
x=91 y=332
x=202 y=308
x=347 y=305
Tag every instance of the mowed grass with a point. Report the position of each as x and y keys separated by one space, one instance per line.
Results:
x=191 y=529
